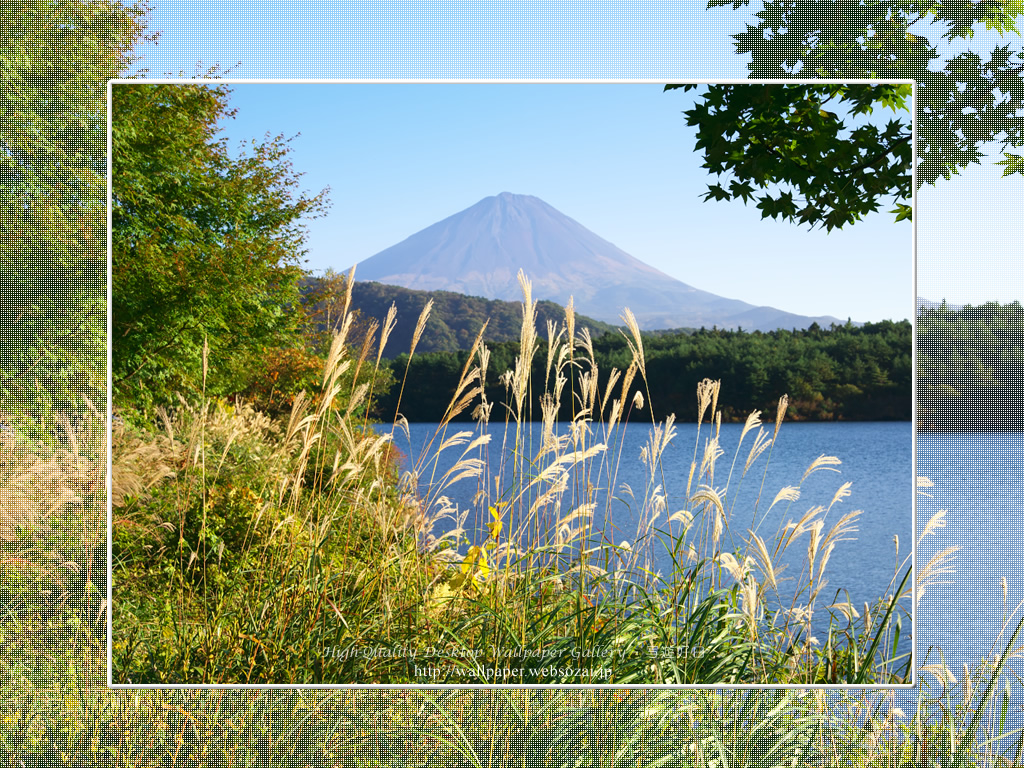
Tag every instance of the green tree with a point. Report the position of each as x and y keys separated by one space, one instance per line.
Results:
x=323 y=306
x=55 y=59
x=278 y=373
x=963 y=101
x=205 y=246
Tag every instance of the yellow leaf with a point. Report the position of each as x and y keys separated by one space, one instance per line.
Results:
x=470 y=559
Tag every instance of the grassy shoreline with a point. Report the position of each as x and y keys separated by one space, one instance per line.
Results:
x=246 y=547
x=56 y=711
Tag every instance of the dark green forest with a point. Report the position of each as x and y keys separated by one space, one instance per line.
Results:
x=844 y=372
x=970 y=371
x=971 y=368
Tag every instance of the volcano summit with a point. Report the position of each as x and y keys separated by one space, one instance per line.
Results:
x=479 y=252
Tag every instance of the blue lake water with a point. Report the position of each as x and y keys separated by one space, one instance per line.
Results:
x=978 y=479
x=876 y=458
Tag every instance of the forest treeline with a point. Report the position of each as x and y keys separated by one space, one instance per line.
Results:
x=970 y=371
x=843 y=372
x=971 y=368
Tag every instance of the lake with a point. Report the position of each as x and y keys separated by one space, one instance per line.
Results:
x=876 y=457
x=979 y=479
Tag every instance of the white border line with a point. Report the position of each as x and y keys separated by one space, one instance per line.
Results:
x=913 y=378
x=110 y=388
x=370 y=81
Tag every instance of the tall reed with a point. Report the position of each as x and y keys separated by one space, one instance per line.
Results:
x=336 y=550
x=260 y=472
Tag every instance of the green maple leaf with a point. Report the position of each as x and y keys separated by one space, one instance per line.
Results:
x=1013 y=163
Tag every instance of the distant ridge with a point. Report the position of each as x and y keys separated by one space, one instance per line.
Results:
x=480 y=250
x=926 y=304
x=455 y=318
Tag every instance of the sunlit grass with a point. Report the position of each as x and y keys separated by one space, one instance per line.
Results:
x=250 y=550
x=309 y=528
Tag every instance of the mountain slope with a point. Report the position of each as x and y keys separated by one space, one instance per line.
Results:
x=480 y=250
x=455 y=319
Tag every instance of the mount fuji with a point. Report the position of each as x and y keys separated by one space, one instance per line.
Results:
x=479 y=252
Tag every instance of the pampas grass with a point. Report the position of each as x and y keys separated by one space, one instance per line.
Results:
x=352 y=547
x=332 y=547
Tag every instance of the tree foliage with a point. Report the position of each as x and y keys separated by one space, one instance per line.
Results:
x=782 y=137
x=55 y=59
x=844 y=372
x=278 y=374
x=971 y=367
x=964 y=101
x=206 y=246
x=325 y=300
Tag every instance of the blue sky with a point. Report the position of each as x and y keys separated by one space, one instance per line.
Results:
x=617 y=158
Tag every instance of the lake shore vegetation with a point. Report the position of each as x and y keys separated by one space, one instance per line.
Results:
x=958 y=720
x=294 y=550
x=845 y=372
